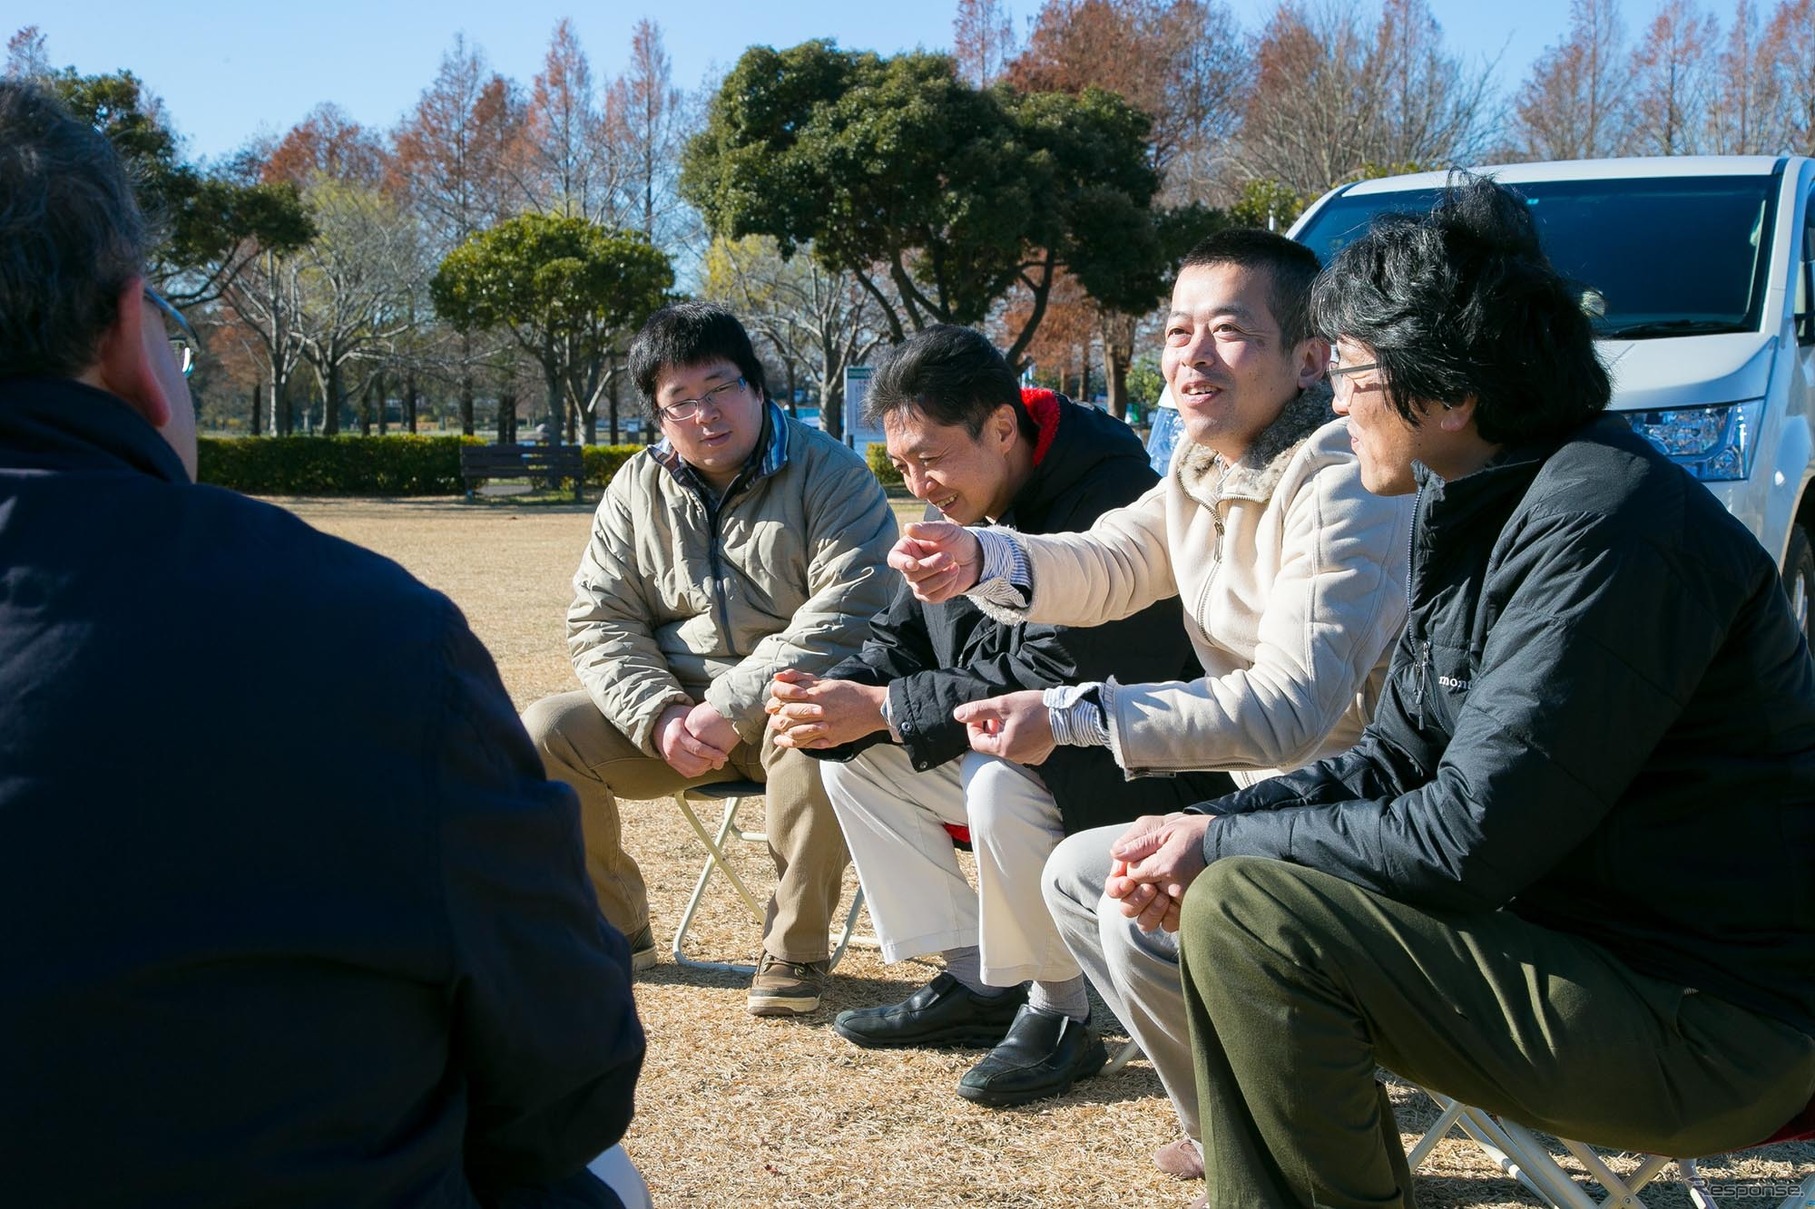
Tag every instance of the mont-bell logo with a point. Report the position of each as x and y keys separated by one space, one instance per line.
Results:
x=1452 y=683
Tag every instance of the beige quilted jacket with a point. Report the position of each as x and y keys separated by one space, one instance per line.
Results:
x=1292 y=578
x=677 y=601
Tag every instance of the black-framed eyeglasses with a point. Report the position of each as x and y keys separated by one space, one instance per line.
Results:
x=1336 y=370
x=184 y=343
x=715 y=398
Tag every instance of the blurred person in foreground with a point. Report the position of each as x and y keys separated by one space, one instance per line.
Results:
x=1565 y=874
x=1292 y=578
x=897 y=765
x=743 y=544
x=303 y=924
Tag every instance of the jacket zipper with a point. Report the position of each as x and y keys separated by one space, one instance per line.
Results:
x=1203 y=599
x=1216 y=564
x=1422 y=669
x=715 y=567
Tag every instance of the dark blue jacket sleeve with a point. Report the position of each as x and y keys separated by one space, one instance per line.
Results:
x=545 y=1031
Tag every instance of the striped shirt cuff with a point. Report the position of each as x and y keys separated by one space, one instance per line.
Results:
x=1076 y=714
x=1007 y=580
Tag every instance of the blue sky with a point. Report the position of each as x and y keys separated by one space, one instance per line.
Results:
x=229 y=71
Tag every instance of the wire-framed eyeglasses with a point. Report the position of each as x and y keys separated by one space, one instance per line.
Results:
x=184 y=343
x=715 y=398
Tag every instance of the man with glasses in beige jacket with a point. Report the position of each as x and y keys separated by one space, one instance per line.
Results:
x=1292 y=577
x=743 y=544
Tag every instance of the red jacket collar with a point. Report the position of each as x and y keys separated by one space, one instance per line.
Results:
x=1043 y=406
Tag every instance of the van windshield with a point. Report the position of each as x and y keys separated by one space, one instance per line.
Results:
x=1668 y=256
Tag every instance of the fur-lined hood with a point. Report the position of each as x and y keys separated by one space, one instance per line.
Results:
x=1255 y=476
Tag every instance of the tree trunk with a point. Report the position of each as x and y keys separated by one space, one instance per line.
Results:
x=566 y=418
x=831 y=409
x=255 y=427
x=1116 y=371
x=330 y=407
x=507 y=416
x=1118 y=354
x=409 y=400
x=365 y=407
x=283 y=412
x=612 y=381
x=466 y=385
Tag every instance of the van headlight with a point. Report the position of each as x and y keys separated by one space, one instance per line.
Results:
x=1715 y=444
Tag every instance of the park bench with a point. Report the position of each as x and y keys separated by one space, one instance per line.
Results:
x=545 y=463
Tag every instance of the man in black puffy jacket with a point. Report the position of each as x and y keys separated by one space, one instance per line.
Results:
x=977 y=448
x=1568 y=873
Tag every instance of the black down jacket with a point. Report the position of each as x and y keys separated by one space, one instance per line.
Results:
x=1601 y=716
x=941 y=656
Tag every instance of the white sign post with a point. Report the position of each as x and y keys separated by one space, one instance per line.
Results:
x=857 y=434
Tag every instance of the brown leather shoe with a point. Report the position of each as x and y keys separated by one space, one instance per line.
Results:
x=786 y=988
x=1180 y=1160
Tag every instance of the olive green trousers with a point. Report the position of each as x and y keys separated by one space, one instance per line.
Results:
x=1299 y=985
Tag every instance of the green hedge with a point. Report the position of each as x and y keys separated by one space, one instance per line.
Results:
x=344 y=465
x=602 y=462
x=884 y=470
x=353 y=465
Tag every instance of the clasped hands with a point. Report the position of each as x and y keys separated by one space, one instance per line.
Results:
x=1153 y=863
x=694 y=739
x=812 y=713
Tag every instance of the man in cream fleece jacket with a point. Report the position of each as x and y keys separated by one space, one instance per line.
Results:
x=1292 y=578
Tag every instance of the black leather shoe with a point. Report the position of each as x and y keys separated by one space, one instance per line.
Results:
x=1043 y=1055
x=943 y=1012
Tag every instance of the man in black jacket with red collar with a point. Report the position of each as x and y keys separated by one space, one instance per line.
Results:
x=292 y=916
x=976 y=448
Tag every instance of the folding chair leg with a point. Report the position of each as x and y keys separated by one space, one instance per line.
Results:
x=1525 y=1158
x=715 y=860
x=845 y=935
x=1440 y=1128
x=1518 y=1152
x=1699 y=1193
x=718 y=861
x=1621 y=1193
x=1128 y=1053
x=1511 y=1147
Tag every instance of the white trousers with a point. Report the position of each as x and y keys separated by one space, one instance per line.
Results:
x=1136 y=972
x=894 y=824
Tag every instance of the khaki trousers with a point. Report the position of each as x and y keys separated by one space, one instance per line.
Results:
x=580 y=748
x=1298 y=983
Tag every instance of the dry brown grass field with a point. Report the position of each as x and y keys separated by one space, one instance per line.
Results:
x=737 y=1111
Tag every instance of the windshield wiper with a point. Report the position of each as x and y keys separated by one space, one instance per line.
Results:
x=1669 y=327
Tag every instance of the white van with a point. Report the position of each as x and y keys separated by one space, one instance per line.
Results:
x=1699 y=272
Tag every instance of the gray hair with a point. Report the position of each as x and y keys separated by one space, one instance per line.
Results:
x=71 y=235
